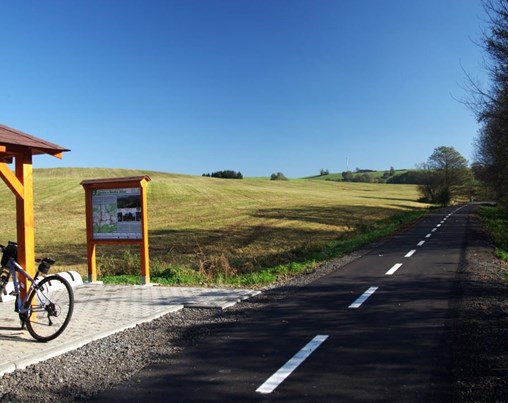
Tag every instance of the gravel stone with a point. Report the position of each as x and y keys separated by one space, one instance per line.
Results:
x=479 y=368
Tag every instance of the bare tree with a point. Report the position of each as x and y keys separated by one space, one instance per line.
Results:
x=491 y=106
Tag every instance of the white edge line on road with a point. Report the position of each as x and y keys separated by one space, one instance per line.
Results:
x=362 y=298
x=410 y=253
x=277 y=378
x=393 y=269
x=421 y=243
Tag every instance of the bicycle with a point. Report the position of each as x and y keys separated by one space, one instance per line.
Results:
x=49 y=302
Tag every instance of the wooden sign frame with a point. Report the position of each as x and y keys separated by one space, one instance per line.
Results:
x=124 y=225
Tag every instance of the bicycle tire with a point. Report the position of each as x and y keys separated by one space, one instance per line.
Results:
x=50 y=306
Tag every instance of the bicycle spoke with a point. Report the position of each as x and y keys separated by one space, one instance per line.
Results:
x=51 y=308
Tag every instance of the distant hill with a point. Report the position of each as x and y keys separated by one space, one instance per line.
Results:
x=399 y=176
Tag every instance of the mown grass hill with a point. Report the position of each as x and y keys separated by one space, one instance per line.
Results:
x=208 y=225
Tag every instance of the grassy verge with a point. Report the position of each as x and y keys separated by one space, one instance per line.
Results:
x=308 y=259
x=496 y=222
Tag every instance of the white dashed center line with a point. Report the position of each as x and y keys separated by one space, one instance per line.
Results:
x=420 y=243
x=362 y=298
x=286 y=370
x=393 y=269
x=410 y=253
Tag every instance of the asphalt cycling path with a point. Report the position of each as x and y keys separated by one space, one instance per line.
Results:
x=376 y=330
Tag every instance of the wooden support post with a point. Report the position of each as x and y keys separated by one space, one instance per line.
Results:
x=145 y=260
x=90 y=245
x=91 y=259
x=25 y=218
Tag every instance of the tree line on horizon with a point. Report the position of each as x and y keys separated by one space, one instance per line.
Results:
x=227 y=174
x=403 y=176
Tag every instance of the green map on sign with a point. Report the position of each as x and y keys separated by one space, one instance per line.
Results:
x=105 y=218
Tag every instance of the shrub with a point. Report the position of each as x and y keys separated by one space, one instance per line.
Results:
x=129 y=263
x=279 y=176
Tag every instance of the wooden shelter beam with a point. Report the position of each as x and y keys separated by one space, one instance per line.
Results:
x=11 y=180
x=53 y=154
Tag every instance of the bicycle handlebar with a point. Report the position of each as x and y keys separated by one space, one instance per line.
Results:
x=46 y=260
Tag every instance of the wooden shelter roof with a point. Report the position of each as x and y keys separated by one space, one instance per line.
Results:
x=13 y=141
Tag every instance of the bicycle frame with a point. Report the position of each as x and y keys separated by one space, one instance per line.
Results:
x=14 y=268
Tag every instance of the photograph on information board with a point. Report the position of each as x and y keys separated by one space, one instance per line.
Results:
x=116 y=213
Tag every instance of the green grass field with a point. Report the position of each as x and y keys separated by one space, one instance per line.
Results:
x=207 y=225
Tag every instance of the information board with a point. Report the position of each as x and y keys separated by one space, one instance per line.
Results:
x=117 y=213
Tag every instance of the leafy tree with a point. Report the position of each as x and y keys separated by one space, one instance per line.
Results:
x=364 y=177
x=279 y=176
x=348 y=176
x=445 y=176
x=409 y=177
x=324 y=172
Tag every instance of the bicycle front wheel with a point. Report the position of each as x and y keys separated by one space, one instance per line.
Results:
x=50 y=307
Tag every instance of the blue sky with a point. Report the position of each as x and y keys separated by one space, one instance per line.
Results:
x=257 y=86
